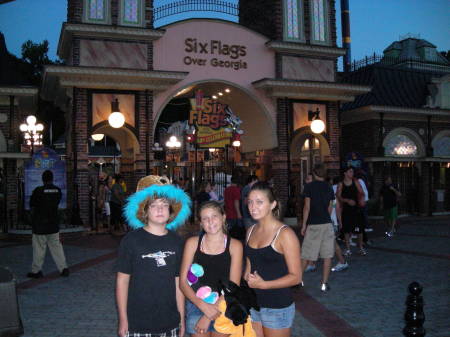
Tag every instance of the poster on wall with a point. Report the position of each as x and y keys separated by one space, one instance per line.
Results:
x=42 y=160
x=300 y=114
x=101 y=107
x=215 y=123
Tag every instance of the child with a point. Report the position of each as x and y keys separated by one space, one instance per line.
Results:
x=273 y=264
x=208 y=259
x=149 y=261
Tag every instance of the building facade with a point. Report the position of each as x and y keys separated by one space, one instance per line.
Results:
x=406 y=123
x=275 y=67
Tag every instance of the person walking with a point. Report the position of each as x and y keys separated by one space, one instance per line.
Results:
x=319 y=234
x=247 y=220
x=216 y=258
x=347 y=194
x=388 y=198
x=149 y=301
x=272 y=252
x=336 y=218
x=116 y=203
x=45 y=226
x=232 y=198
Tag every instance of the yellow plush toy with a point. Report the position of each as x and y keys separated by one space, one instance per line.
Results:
x=225 y=325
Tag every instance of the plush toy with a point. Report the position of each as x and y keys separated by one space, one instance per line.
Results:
x=239 y=301
x=224 y=325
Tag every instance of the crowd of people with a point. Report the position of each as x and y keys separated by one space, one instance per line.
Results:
x=241 y=241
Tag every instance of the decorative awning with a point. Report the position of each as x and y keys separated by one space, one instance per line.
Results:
x=70 y=30
x=321 y=91
x=305 y=49
x=108 y=78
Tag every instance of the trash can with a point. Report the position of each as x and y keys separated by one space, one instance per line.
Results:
x=10 y=322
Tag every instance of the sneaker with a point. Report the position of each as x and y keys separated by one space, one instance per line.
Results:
x=340 y=267
x=324 y=287
x=310 y=267
x=35 y=275
x=65 y=272
x=348 y=252
x=390 y=234
x=362 y=252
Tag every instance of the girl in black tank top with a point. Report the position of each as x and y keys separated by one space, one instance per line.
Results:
x=272 y=252
x=208 y=259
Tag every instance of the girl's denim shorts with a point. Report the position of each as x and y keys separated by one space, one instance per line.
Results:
x=193 y=314
x=274 y=318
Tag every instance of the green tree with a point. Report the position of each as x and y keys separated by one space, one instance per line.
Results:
x=35 y=54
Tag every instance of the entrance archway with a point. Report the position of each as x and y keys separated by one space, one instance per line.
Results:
x=257 y=123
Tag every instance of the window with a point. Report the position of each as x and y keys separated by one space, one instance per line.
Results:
x=319 y=22
x=96 y=11
x=131 y=13
x=400 y=145
x=293 y=20
x=441 y=147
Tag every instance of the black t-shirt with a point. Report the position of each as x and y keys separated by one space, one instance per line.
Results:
x=44 y=209
x=389 y=197
x=153 y=263
x=320 y=193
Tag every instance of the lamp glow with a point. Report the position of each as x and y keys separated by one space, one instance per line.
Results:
x=97 y=136
x=116 y=120
x=23 y=127
x=317 y=126
x=31 y=120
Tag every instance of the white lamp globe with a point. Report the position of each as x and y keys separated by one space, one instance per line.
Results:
x=23 y=127
x=39 y=127
x=97 y=136
x=31 y=120
x=116 y=120
x=317 y=126
x=236 y=143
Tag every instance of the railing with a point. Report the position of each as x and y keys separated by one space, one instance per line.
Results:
x=184 y=6
x=409 y=63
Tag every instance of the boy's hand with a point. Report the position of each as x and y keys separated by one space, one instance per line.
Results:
x=211 y=311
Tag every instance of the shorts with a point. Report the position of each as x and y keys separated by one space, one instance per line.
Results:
x=318 y=242
x=193 y=314
x=274 y=318
x=391 y=213
x=171 y=333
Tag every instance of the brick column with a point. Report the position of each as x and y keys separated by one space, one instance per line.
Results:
x=280 y=168
x=332 y=162
x=79 y=151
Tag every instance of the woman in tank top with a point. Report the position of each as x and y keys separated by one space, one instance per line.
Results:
x=272 y=253
x=208 y=259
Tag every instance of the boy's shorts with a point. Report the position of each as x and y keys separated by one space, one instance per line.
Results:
x=318 y=242
x=193 y=314
x=391 y=213
x=274 y=318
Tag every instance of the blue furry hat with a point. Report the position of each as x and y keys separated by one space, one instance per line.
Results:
x=157 y=187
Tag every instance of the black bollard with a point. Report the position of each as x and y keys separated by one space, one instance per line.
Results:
x=414 y=315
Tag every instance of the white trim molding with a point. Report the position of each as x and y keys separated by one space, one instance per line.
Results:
x=107 y=78
x=71 y=30
x=18 y=91
x=305 y=49
x=322 y=91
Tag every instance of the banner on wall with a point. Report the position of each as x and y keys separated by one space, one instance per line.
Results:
x=212 y=121
x=42 y=160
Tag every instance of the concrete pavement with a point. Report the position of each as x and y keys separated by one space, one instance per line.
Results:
x=367 y=300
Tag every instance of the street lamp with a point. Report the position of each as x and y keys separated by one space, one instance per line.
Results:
x=97 y=136
x=173 y=144
x=116 y=119
x=32 y=132
x=317 y=126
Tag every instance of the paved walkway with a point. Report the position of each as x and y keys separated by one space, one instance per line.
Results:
x=367 y=300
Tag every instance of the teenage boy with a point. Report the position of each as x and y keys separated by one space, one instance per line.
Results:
x=149 y=301
x=319 y=235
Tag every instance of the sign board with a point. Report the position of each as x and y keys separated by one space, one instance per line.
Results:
x=42 y=160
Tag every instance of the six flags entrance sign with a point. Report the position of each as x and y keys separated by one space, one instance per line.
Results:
x=210 y=121
x=214 y=47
